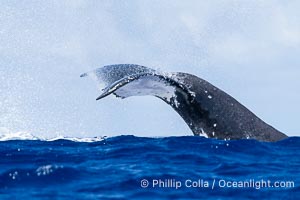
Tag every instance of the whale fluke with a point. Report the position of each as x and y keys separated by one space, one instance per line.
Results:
x=207 y=110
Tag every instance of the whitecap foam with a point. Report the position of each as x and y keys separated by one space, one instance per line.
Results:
x=6 y=135
x=76 y=139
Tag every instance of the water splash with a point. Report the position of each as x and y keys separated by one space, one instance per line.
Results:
x=6 y=135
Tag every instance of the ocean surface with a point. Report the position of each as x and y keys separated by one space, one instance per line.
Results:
x=129 y=167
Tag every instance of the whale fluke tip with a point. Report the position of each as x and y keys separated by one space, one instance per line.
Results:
x=103 y=95
x=98 y=98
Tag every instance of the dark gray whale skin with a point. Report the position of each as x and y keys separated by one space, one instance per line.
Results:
x=206 y=109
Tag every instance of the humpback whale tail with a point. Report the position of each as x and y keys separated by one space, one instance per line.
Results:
x=207 y=110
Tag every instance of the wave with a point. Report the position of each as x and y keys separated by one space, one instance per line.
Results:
x=6 y=135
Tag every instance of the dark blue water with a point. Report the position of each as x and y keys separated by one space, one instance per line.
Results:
x=167 y=168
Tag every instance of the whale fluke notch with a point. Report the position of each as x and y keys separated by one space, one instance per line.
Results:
x=207 y=110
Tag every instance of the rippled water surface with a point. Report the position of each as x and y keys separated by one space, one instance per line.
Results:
x=128 y=167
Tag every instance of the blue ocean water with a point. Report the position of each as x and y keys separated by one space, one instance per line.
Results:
x=128 y=167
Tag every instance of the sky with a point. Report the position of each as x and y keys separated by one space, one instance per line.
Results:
x=250 y=49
